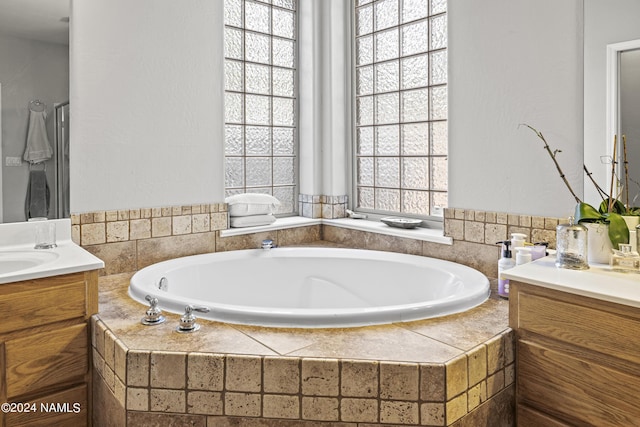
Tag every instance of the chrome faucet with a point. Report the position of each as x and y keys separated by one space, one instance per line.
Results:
x=267 y=244
x=153 y=315
x=188 y=320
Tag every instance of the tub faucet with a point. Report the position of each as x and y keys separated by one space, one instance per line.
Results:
x=153 y=315
x=188 y=319
x=267 y=244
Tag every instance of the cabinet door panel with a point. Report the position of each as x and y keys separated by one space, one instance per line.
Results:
x=527 y=417
x=579 y=392
x=32 y=304
x=585 y=327
x=41 y=360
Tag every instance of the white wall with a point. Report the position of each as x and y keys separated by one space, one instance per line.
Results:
x=146 y=103
x=512 y=62
x=28 y=70
x=609 y=22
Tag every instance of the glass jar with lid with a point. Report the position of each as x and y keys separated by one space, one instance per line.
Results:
x=571 y=246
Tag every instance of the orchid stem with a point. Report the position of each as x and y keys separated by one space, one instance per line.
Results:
x=553 y=157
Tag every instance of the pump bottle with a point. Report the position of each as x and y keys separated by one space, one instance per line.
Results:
x=506 y=262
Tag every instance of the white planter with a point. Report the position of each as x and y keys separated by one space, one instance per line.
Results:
x=598 y=243
x=632 y=221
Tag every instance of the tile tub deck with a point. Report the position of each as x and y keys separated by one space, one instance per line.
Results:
x=450 y=371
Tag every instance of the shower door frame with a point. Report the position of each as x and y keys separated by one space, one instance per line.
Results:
x=61 y=129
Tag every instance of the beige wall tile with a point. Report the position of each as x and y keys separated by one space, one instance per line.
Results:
x=476 y=395
x=244 y=373
x=117 y=231
x=111 y=215
x=399 y=381
x=281 y=375
x=86 y=218
x=97 y=339
x=93 y=234
x=137 y=399
x=205 y=402
x=120 y=392
x=134 y=214
x=201 y=222
x=320 y=408
x=109 y=377
x=432 y=383
x=165 y=420
x=494 y=233
x=495 y=354
x=109 y=344
x=205 y=371
x=120 y=360
x=477 y=359
x=280 y=406
x=159 y=249
x=163 y=400
x=242 y=404
x=509 y=375
x=495 y=383
x=474 y=231
x=456 y=408
x=456 y=375
x=118 y=257
x=320 y=377
x=398 y=412
x=161 y=226
x=181 y=225
x=537 y=222
x=168 y=369
x=359 y=410
x=454 y=228
x=219 y=221
x=140 y=229
x=359 y=378
x=432 y=414
x=509 y=347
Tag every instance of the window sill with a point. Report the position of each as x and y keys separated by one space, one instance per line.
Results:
x=280 y=224
x=424 y=234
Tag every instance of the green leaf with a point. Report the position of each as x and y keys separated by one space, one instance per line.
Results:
x=618 y=207
x=587 y=213
x=618 y=230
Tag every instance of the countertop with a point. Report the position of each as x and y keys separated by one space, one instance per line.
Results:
x=17 y=246
x=597 y=282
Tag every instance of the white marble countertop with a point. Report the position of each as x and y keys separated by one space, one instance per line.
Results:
x=597 y=282
x=17 y=246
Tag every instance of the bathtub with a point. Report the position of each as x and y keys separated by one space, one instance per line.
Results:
x=314 y=287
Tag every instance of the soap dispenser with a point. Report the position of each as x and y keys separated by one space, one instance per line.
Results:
x=504 y=263
x=571 y=246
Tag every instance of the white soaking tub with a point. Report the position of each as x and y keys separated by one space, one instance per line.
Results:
x=313 y=287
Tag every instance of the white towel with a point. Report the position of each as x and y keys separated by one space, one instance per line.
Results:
x=38 y=146
x=251 y=221
x=247 y=204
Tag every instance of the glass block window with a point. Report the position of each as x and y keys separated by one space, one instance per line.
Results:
x=401 y=106
x=260 y=99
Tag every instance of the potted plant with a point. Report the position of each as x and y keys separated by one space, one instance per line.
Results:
x=609 y=211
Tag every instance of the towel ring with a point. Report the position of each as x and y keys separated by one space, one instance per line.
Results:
x=37 y=106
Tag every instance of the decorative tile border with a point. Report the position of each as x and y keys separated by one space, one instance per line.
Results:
x=489 y=227
x=330 y=207
x=96 y=228
x=292 y=388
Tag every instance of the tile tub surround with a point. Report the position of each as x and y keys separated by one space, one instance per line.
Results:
x=453 y=370
x=130 y=240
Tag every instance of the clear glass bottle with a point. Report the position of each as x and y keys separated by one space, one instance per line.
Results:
x=571 y=246
x=625 y=260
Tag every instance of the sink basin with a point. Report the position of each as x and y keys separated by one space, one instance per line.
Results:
x=13 y=261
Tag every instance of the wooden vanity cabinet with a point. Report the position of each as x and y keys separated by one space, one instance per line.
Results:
x=577 y=359
x=45 y=350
